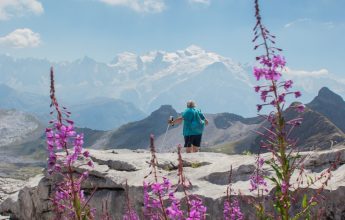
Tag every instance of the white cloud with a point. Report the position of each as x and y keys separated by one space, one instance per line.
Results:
x=21 y=38
x=311 y=81
x=205 y=2
x=308 y=21
x=13 y=8
x=329 y=25
x=300 y=20
x=303 y=73
x=146 y=6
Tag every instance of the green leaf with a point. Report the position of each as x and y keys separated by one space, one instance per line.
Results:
x=276 y=169
x=273 y=179
x=277 y=207
x=304 y=201
x=313 y=203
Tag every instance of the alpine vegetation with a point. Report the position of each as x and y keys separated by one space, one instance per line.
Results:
x=232 y=210
x=65 y=147
x=160 y=201
x=286 y=159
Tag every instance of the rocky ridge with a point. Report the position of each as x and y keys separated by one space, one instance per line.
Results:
x=208 y=173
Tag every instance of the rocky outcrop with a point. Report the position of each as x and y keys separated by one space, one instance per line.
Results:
x=331 y=105
x=9 y=186
x=208 y=173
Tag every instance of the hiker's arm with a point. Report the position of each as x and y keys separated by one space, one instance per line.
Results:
x=203 y=118
x=177 y=121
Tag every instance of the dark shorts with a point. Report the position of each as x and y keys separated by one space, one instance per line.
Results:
x=194 y=140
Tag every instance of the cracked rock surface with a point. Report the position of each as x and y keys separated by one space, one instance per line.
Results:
x=208 y=173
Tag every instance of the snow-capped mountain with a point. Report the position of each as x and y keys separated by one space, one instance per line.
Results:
x=216 y=83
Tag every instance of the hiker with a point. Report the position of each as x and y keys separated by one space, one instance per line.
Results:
x=193 y=125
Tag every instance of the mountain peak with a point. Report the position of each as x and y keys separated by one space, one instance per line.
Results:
x=194 y=50
x=164 y=109
x=85 y=61
x=163 y=113
x=330 y=105
x=124 y=57
x=328 y=96
x=126 y=61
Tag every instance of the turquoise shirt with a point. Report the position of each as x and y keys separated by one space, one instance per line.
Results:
x=188 y=116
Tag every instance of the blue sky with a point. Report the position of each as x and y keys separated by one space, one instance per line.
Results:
x=310 y=31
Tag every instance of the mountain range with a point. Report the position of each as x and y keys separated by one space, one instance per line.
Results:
x=216 y=83
x=21 y=134
x=322 y=127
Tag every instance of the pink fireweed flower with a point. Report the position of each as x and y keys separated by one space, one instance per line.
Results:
x=153 y=193
x=265 y=61
x=257 y=88
x=278 y=61
x=288 y=84
x=51 y=163
x=86 y=154
x=259 y=72
x=83 y=176
x=261 y=161
x=272 y=75
x=232 y=211
x=297 y=94
x=90 y=163
x=276 y=135
x=172 y=195
x=257 y=179
x=79 y=140
x=166 y=182
x=264 y=92
x=193 y=215
x=263 y=95
x=284 y=187
x=61 y=137
x=258 y=107
x=130 y=215
x=157 y=188
x=57 y=168
x=263 y=98
x=49 y=133
x=281 y=98
x=198 y=210
x=174 y=210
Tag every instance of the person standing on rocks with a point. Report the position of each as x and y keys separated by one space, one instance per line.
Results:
x=193 y=126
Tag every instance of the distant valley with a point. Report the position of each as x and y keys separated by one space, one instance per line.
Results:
x=99 y=113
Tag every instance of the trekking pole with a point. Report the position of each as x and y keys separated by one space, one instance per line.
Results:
x=166 y=132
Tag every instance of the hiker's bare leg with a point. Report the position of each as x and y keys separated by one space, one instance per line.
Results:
x=195 y=149
x=189 y=149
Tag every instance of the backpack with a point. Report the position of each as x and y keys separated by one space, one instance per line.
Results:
x=197 y=124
